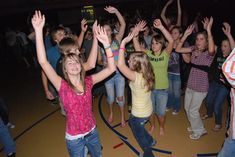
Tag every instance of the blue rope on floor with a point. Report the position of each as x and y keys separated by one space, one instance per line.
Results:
x=209 y=154
x=121 y=136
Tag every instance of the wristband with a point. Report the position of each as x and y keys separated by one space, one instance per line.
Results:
x=107 y=47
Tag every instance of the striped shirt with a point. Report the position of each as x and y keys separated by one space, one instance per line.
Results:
x=141 y=97
x=228 y=69
x=198 y=80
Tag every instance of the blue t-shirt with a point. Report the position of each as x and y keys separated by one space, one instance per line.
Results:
x=53 y=56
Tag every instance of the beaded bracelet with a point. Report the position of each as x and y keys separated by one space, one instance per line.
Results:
x=110 y=56
x=122 y=49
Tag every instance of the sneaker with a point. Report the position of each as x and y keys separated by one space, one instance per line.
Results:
x=11 y=155
x=195 y=136
x=167 y=109
x=189 y=129
x=153 y=143
x=175 y=112
x=206 y=116
x=217 y=128
x=9 y=125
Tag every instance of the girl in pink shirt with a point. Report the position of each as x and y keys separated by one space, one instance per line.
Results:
x=75 y=91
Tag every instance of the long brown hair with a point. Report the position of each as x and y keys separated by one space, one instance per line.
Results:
x=77 y=59
x=141 y=64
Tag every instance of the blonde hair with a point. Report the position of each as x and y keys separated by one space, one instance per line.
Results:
x=77 y=59
x=141 y=64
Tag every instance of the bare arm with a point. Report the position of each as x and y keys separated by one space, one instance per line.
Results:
x=82 y=33
x=227 y=31
x=38 y=22
x=91 y=61
x=121 y=20
x=211 y=44
x=110 y=68
x=179 y=15
x=126 y=71
x=163 y=13
x=179 y=47
x=138 y=27
x=48 y=94
x=157 y=24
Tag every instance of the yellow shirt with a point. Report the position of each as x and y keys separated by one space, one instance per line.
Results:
x=141 y=98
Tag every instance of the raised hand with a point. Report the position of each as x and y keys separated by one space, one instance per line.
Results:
x=226 y=28
x=110 y=9
x=102 y=36
x=139 y=27
x=128 y=38
x=94 y=27
x=209 y=25
x=189 y=30
x=84 y=25
x=158 y=24
x=38 y=21
x=205 y=22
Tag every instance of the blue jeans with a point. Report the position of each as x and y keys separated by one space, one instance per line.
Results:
x=174 y=92
x=228 y=149
x=6 y=139
x=159 y=99
x=141 y=135
x=116 y=82
x=76 y=147
x=214 y=100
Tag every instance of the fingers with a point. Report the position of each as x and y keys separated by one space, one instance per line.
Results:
x=83 y=22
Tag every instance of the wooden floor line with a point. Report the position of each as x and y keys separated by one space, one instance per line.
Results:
x=34 y=124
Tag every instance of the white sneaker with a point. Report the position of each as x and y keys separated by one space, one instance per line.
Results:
x=189 y=129
x=195 y=136
x=175 y=113
x=9 y=125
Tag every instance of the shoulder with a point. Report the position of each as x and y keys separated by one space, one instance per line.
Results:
x=88 y=81
x=63 y=86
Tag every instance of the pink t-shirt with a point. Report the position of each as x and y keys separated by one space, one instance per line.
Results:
x=78 y=108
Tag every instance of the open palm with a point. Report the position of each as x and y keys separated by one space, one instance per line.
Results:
x=38 y=20
x=128 y=38
x=110 y=9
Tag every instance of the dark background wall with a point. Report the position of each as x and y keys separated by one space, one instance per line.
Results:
x=17 y=13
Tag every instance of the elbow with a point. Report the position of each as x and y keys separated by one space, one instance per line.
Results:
x=113 y=69
x=177 y=49
x=211 y=52
x=171 y=41
x=92 y=66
